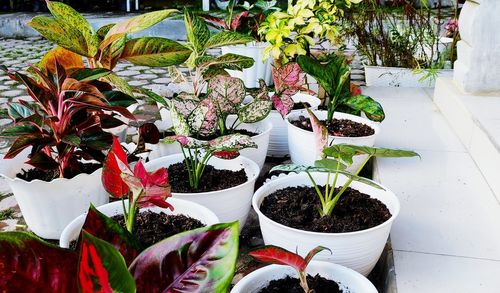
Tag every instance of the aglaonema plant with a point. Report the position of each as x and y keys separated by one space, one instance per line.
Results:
x=141 y=187
x=334 y=161
x=333 y=73
x=65 y=122
x=277 y=255
x=200 y=260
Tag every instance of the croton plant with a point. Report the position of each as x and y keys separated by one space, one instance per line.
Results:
x=65 y=122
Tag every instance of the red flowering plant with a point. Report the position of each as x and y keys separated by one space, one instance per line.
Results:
x=142 y=188
x=65 y=122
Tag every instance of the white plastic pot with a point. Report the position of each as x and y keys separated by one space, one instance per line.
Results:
x=400 y=77
x=348 y=280
x=358 y=250
x=302 y=143
x=181 y=207
x=232 y=204
x=47 y=207
x=278 y=142
x=262 y=69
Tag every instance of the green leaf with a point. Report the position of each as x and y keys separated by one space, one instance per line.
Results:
x=98 y=140
x=89 y=74
x=369 y=106
x=120 y=84
x=117 y=98
x=103 y=30
x=231 y=142
x=153 y=96
x=18 y=111
x=255 y=111
x=179 y=123
x=111 y=54
x=72 y=140
x=196 y=30
x=330 y=164
x=348 y=151
x=17 y=130
x=155 y=51
x=43 y=161
x=102 y=268
x=227 y=38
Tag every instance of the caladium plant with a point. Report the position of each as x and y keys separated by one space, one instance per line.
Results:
x=280 y=256
x=64 y=123
x=334 y=161
x=141 y=187
x=201 y=260
x=333 y=73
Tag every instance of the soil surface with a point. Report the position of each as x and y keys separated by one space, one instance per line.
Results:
x=338 y=127
x=317 y=284
x=49 y=175
x=300 y=106
x=297 y=207
x=211 y=180
x=151 y=228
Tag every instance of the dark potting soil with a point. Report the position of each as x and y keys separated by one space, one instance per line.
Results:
x=151 y=228
x=297 y=207
x=317 y=284
x=338 y=127
x=49 y=175
x=300 y=106
x=211 y=180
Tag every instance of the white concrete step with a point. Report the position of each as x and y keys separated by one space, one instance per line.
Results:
x=446 y=238
x=476 y=121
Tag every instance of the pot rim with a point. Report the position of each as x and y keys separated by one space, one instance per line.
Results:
x=374 y=125
x=260 y=194
x=268 y=126
x=246 y=161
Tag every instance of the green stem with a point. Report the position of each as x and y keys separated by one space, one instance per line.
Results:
x=132 y=214
x=187 y=162
x=321 y=198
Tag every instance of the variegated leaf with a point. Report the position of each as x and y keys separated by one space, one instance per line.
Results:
x=227 y=38
x=110 y=55
x=121 y=84
x=255 y=111
x=231 y=142
x=64 y=57
x=179 y=123
x=203 y=119
x=320 y=133
x=283 y=102
x=289 y=76
x=155 y=51
x=186 y=141
x=196 y=30
x=185 y=103
x=227 y=93
x=176 y=75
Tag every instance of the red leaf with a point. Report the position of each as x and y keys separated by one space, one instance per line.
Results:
x=111 y=174
x=236 y=22
x=280 y=256
x=320 y=133
x=283 y=103
x=315 y=251
x=226 y=155
x=156 y=187
x=92 y=272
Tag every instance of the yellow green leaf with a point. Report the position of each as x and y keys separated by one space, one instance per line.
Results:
x=155 y=51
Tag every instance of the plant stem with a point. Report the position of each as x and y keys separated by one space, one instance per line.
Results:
x=303 y=281
x=321 y=198
x=132 y=213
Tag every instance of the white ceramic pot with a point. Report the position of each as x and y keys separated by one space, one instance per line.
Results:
x=47 y=207
x=229 y=204
x=181 y=207
x=302 y=144
x=278 y=142
x=348 y=280
x=261 y=69
x=400 y=77
x=358 y=250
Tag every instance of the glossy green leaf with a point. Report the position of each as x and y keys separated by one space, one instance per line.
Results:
x=196 y=30
x=155 y=51
x=255 y=111
x=97 y=140
x=372 y=109
x=17 y=130
x=346 y=150
x=330 y=164
x=18 y=111
x=227 y=38
x=117 y=98
x=103 y=30
x=71 y=139
x=89 y=74
x=153 y=96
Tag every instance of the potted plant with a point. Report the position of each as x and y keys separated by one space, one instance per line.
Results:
x=401 y=43
x=246 y=19
x=314 y=276
x=333 y=73
x=54 y=164
x=202 y=260
x=326 y=205
x=144 y=210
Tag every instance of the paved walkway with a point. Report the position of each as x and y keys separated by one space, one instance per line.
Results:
x=446 y=238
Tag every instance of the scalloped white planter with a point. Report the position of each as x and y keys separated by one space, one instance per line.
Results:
x=302 y=143
x=47 y=207
x=262 y=69
x=358 y=250
x=348 y=280
x=278 y=142
x=181 y=207
x=232 y=204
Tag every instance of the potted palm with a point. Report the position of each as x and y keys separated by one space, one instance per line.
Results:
x=54 y=164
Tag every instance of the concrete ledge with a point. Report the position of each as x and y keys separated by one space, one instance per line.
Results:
x=476 y=121
x=13 y=25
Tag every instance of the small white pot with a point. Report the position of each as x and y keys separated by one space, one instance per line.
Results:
x=261 y=69
x=278 y=142
x=181 y=207
x=400 y=77
x=302 y=143
x=358 y=250
x=348 y=280
x=229 y=204
x=47 y=207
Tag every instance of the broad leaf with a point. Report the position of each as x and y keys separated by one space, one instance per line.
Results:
x=102 y=268
x=116 y=98
x=227 y=93
x=227 y=38
x=42 y=161
x=89 y=74
x=111 y=54
x=346 y=150
x=155 y=51
x=330 y=164
x=200 y=260
x=25 y=141
x=313 y=253
x=96 y=139
x=320 y=133
x=367 y=105
x=179 y=123
x=227 y=61
x=196 y=30
x=185 y=103
x=17 y=130
x=18 y=111
x=120 y=84
x=231 y=143
x=111 y=174
x=203 y=119
x=29 y=264
x=277 y=255
x=154 y=186
x=186 y=141
x=65 y=58
x=255 y=111
x=283 y=102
